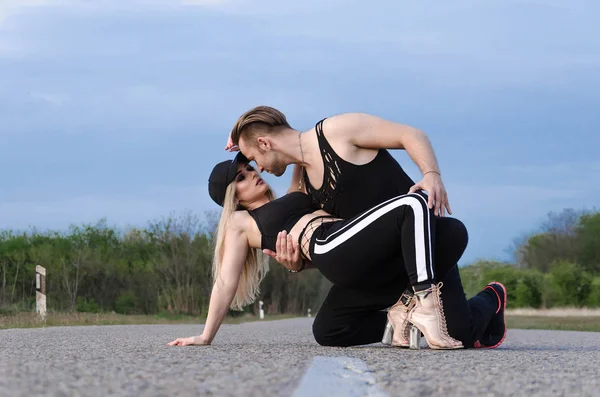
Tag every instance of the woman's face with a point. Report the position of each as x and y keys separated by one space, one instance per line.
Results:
x=249 y=185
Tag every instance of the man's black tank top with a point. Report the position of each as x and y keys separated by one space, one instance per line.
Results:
x=281 y=214
x=348 y=189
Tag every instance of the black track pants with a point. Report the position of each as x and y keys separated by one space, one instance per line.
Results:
x=403 y=227
x=355 y=315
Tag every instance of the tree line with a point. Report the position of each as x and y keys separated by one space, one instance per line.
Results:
x=557 y=266
x=166 y=267
x=163 y=268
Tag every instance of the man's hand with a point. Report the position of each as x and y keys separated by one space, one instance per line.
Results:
x=192 y=340
x=433 y=185
x=230 y=146
x=288 y=253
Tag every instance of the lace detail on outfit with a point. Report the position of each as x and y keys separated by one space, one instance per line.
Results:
x=307 y=232
x=331 y=171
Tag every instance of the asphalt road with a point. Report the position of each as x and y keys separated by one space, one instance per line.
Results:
x=280 y=358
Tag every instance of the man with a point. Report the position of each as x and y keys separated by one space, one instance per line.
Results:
x=343 y=163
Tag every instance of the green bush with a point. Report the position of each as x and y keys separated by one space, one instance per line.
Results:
x=567 y=284
x=8 y=310
x=127 y=303
x=594 y=297
x=524 y=287
x=87 y=305
x=475 y=276
x=529 y=291
x=510 y=277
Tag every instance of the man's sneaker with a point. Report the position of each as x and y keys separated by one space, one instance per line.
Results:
x=495 y=333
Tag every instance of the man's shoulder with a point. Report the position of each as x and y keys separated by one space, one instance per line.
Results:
x=348 y=122
x=347 y=118
x=345 y=127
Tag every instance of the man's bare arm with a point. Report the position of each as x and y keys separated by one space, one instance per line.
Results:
x=371 y=132
x=287 y=253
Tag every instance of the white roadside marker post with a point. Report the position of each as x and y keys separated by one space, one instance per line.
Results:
x=40 y=291
x=261 y=311
x=309 y=315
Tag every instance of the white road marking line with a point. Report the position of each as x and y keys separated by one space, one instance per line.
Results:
x=338 y=376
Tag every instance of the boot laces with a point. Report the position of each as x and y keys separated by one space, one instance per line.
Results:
x=442 y=317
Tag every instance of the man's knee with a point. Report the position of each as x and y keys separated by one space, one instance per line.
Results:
x=319 y=334
x=451 y=240
x=328 y=334
x=457 y=232
x=322 y=334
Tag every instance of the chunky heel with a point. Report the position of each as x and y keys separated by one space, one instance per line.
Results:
x=388 y=334
x=398 y=321
x=415 y=338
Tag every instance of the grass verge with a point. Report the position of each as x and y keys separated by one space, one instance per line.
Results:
x=32 y=320
x=567 y=323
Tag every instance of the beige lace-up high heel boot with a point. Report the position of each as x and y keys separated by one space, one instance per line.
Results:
x=428 y=316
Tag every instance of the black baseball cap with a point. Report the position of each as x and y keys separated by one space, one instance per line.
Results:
x=222 y=175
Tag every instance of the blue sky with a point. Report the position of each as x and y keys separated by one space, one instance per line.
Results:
x=120 y=111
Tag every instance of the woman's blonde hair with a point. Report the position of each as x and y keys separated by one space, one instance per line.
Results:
x=257 y=264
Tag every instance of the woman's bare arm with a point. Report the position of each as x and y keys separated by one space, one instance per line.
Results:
x=224 y=288
x=234 y=256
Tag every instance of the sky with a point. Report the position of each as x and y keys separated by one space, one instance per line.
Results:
x=120 y=111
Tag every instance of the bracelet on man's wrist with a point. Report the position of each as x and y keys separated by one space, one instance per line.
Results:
x=437 y=172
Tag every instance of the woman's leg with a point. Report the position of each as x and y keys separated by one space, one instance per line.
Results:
x=375 y=235
x=402 y=226
x=356 y=315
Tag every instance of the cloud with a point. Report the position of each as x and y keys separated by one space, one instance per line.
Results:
x=205 y=2
x=572 y=171
x=10 y=46
x=11 y=43
x=136 y=209
x=472 y=40
x=13 y=7
x=515 y=202
x=54 y=99
x=9 y=8
x=496 y=214
x=578 y=177
x=535 y=190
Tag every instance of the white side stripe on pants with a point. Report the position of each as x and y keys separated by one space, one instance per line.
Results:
x=421 y=252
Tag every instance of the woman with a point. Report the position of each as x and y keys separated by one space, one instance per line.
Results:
x=252 y=219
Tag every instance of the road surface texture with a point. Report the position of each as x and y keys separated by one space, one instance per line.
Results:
x=280 y=358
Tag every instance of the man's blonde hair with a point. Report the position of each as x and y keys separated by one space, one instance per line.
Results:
x=261 y=120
